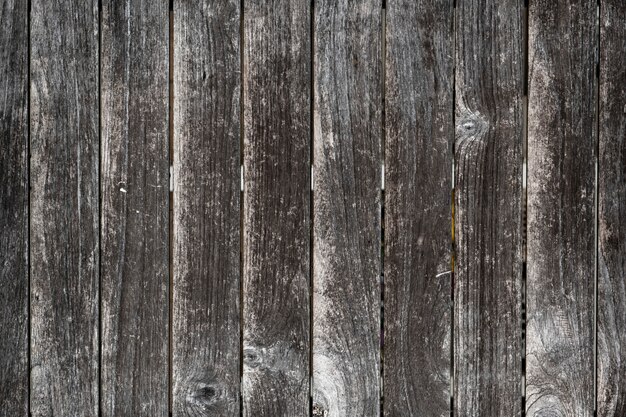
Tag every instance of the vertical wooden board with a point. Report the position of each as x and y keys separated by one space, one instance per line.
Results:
x=276 y=257
x=206 y=329
x=346 y=207
x=561 y=174
x=14 y=208
x=488 y=208
x=64 y=252
x=418 y=176
x=135 y=200
x=611 y=322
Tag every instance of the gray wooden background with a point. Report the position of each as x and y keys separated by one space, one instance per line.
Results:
x=313 y=208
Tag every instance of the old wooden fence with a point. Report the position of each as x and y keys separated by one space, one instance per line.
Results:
x=328 y=208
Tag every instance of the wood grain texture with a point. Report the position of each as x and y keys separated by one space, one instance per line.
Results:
x=561 y=174
x=418 y=176
x=276 y=257
x=346 y=244
x=14 y=319
x=611 y=321
x=488 y=208
x=135 y=201
x=206 y=332
x=64 y=252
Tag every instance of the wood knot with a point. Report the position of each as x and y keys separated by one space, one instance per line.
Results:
x=203 y=395
x=279 y=358
x=251 y=357
x=471 y=126
x=319 y=411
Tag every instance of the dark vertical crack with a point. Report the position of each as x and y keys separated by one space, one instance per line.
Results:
x=525 y=88
x=382 y=207
x=28 y=107
x=170 y=369
x=241 y=196
x=597 y=204
x=452 y=209
x=311 y=196
x=99 y=207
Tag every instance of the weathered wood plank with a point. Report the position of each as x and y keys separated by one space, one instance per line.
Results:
x=418 y=176
x=561 y=174
x=135 y=200
x=206 y=329
x=276 y=257
x=611 y=324
x=14 y=208
x=346 y=206
x=488 y=208
x=64 y=255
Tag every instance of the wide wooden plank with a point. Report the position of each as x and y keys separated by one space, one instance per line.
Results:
x=207 y=177
x=135 y=200
x=14 y=208
x=276 y=225
x=561 y=209
x=611 y=324
x=488 y=208
x=64 y=253
x=346 y=207
x=418 y=176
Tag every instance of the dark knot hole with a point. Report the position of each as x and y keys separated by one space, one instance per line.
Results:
x=206 y=392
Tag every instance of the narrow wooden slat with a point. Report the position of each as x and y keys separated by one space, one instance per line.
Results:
x=418 y=176
x=561 y=174
x=206 y=329
x=276 y=257
x=14 y=208
x=135 y=200
x=346 y=206
x=488 y=208
x=64 y=254
x=611 y=323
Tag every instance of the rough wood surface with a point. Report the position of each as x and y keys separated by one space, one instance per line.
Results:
x=346 y=208
x=561 y=174
x=611 y=322
x=418 y=176
x=14 y=208
x=135 y=200
x=206 y=332
x=276 y=257
x=488 y=208
x=64 y=255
